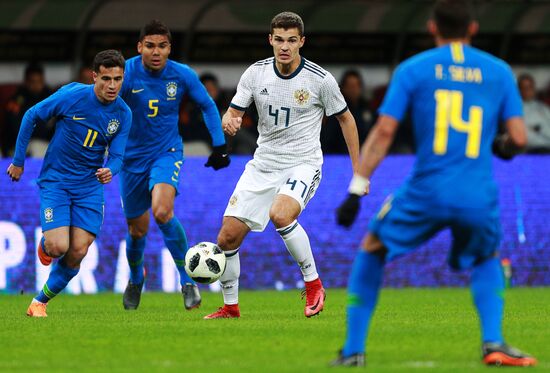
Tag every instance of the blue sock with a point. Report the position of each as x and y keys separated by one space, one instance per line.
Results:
x=176 y=241
x=57 y=280
x=487 y=285
x=134 y=252
x=363 y=288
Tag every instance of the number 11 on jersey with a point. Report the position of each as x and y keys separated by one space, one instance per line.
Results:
x=90 y=138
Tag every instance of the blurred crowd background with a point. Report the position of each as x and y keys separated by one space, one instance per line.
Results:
x=47 y=43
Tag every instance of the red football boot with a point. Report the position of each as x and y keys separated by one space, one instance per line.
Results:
x=228 y=311
x=315 y=297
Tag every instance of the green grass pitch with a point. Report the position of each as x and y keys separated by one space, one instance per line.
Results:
x=413 y=329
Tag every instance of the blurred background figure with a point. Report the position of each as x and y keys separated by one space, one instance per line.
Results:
x=536 y=116
x=85 y=75
x=353 y=90
x=244 y=142
x=193 y=131
x=32 y=91
x=195 y=134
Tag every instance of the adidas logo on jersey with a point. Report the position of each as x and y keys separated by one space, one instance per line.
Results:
x=264 y=92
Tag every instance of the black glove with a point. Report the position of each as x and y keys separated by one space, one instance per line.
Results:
x=501 y=149
x=347 y=212
x=219 y=158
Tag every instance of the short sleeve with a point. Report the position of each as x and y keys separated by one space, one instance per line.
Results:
x=331 y=97
x=244 y=95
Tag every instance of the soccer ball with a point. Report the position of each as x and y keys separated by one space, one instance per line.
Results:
x=205 y=262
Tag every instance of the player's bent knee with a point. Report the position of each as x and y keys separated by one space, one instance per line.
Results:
x=80 y=252
x=137 y=231
x=162 y=215
x=280 y=218
x=56 y=248
x=228 y=240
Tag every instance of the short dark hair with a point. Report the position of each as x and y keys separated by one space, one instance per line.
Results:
x=287 y=20
x=155 y=27
x=526 y=76
x=33 y=68
x=351 y=73
x=452 y=18
x=108 y=58
x=208 y=77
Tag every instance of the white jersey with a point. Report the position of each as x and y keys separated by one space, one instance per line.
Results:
x=290 y=112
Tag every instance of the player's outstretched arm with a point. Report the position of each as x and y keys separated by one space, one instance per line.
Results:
x=231 y=122
x=373 y=151
x=349 y=130
x=377 y=144
x=29 y=122
x=513 y=141
x=38 y=114
x=208 y=107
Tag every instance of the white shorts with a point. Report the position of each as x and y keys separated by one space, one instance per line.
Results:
x=256 y=190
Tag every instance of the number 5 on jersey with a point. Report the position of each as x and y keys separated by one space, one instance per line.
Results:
x=448 y=113
x=153 y=105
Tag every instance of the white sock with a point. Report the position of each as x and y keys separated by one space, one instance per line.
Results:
x=297 y=244
x=230 y=278
x=34 y=300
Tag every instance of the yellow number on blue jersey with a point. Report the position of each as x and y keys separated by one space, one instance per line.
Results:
x=154 y=108
x=90 y=132
x=448 y=113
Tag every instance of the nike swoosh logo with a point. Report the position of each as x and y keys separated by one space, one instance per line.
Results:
x=137 y=90
x=316 y=305
x=78 y=118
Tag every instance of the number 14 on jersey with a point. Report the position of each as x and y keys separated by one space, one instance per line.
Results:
x=448 y=114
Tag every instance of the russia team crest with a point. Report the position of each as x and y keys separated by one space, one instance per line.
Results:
x=301 y=96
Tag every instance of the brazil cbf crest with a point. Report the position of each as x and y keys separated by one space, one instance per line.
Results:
x=301 y=96
x=48 y=214
x=112 y=127
x=171 y=89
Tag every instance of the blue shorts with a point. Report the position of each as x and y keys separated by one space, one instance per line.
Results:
x=65 y=206
x=135 y=188
x=403 y=224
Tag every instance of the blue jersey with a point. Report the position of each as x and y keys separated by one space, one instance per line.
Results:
x=457 y=95
x=155 y=99
x=85 y=128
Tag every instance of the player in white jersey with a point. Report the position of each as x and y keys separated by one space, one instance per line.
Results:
x=291 y=95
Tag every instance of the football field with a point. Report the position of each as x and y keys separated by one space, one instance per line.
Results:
x=413 y=329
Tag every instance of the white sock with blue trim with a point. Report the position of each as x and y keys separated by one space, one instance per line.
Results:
x=297 y=244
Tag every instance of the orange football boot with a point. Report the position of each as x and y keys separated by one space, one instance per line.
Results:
x=37 y=309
